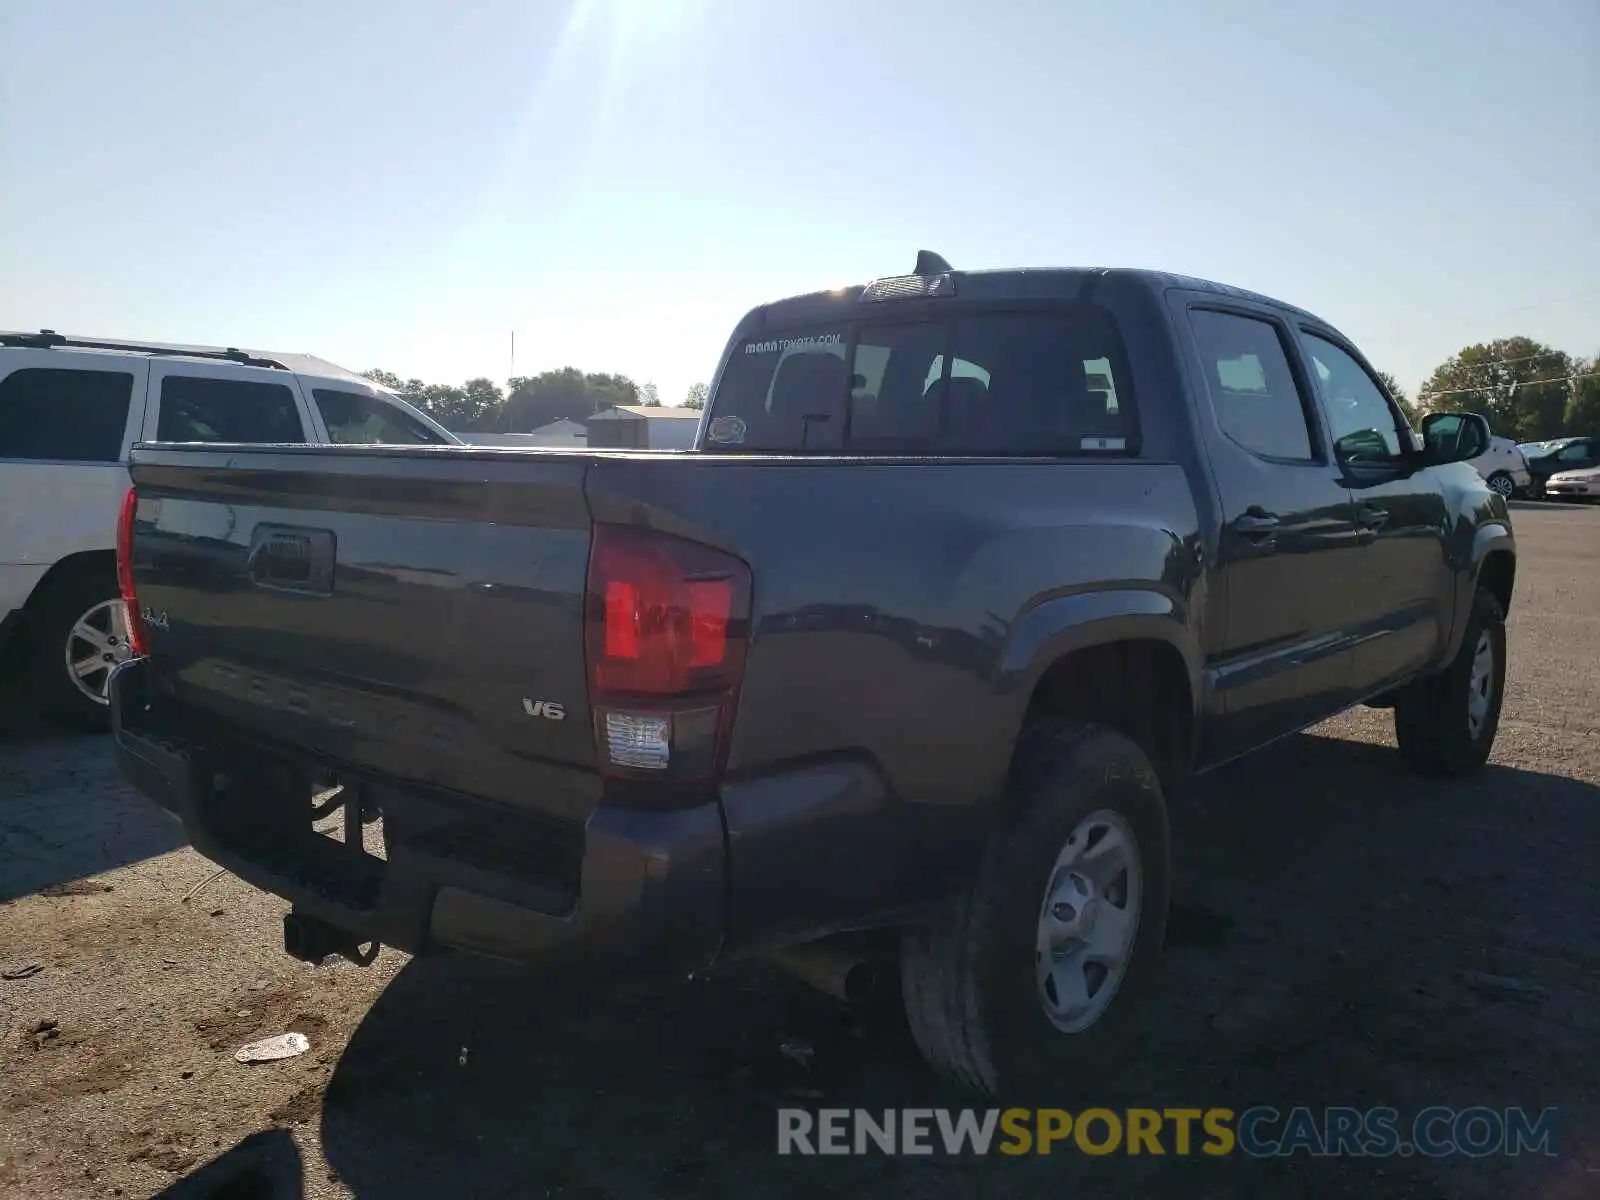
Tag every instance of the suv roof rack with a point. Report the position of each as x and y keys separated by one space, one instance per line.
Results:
x=49 y=339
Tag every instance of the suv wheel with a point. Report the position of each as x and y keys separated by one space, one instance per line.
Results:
x=1446 y=723
x=1501 y=482
x=82 y=633
x=1034 y=973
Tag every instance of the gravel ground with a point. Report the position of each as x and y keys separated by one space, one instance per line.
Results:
x=1331 y=914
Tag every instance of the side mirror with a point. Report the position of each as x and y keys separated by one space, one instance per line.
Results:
x=1453 y=437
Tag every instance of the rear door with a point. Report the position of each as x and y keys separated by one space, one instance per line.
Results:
x=1400 y=611
x=1288 y=542
x=66 y=421
x=224 y=402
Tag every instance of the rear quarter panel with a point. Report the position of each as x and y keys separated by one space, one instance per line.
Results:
x=904 y=609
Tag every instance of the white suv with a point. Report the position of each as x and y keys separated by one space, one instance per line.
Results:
x=69 y=410
x=1504 y=467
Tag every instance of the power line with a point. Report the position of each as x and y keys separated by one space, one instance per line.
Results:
x=1584 y=295
x=1519 y=384
x=1497 y=362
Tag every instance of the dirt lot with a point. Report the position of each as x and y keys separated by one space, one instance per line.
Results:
x=1331 y=914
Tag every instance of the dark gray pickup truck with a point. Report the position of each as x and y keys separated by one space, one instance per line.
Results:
x=965 y=572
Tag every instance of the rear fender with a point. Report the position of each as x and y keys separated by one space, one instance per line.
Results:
x=1064 y=625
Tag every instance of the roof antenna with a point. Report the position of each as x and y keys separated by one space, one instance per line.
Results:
x=929 y=263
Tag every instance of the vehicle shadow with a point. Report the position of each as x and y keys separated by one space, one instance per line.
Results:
x=263 y=1166
x=1332 y=916
x=66 y=814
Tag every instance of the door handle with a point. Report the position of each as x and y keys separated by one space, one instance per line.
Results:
x=289 y=559
x=1370 y=516
x=1256 y=525
x=1258 y=529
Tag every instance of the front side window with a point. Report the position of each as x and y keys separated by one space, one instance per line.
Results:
x=354 y=418
x=195 y=408
x=1360 y=419
x=995 y=383
x=48 y=413
x=1252 y=389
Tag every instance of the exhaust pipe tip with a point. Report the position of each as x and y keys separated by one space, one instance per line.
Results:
x=860 y=982
x=829 y=967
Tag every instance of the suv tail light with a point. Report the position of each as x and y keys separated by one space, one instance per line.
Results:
x=138 y=642
x=665 y=626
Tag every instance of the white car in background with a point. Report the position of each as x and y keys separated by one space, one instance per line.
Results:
x=70 y=408
x=1503 y=466
x=1582 y=484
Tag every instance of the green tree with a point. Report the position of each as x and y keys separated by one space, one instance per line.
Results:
x=649 y=396
x=1583 y=406
x=479 y=405
x=565 y=394
x=1520 y=385
x=413 y=391
x=1399 y=394
x=697 y=396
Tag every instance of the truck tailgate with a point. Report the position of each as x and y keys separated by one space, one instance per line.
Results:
x=378 y=607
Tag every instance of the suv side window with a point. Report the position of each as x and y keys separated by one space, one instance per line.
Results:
x=1361 y=421
x=198 y=409
x=353 y=418
x=63 y=415
x=1253 y=391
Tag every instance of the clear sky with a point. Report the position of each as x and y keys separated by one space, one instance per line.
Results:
x=402 y=183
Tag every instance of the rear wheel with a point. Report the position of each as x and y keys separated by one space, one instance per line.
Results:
x=1501 y=482
x=1445 y=724
x=81 y=635
x=1034 y=973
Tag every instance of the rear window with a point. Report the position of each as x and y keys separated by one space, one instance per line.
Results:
x=64 y=416
x=987 y=383
x=197 y=409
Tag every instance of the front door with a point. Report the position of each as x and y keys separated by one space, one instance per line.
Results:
x=1287 y=541
x=1400 y=615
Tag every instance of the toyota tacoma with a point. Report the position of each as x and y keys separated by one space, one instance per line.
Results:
x=965 y=573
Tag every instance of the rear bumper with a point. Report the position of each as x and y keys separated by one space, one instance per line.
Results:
x=637 y=883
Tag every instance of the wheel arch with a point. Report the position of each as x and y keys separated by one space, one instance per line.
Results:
x=73 y=566
x=1123 y=658
x=1497 y=571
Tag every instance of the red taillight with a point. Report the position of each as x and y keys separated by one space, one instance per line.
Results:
x=665 y=629
x=137 y=642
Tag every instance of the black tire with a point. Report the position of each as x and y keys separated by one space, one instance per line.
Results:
x=54 y=611
x=1502 y=482
x=1432 y=716
x=971 y=995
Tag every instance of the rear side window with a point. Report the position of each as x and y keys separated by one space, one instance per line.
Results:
x=197 y=409
x=988 y=383
x=354 y=419
x=1252 y=388
x=62 y=415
